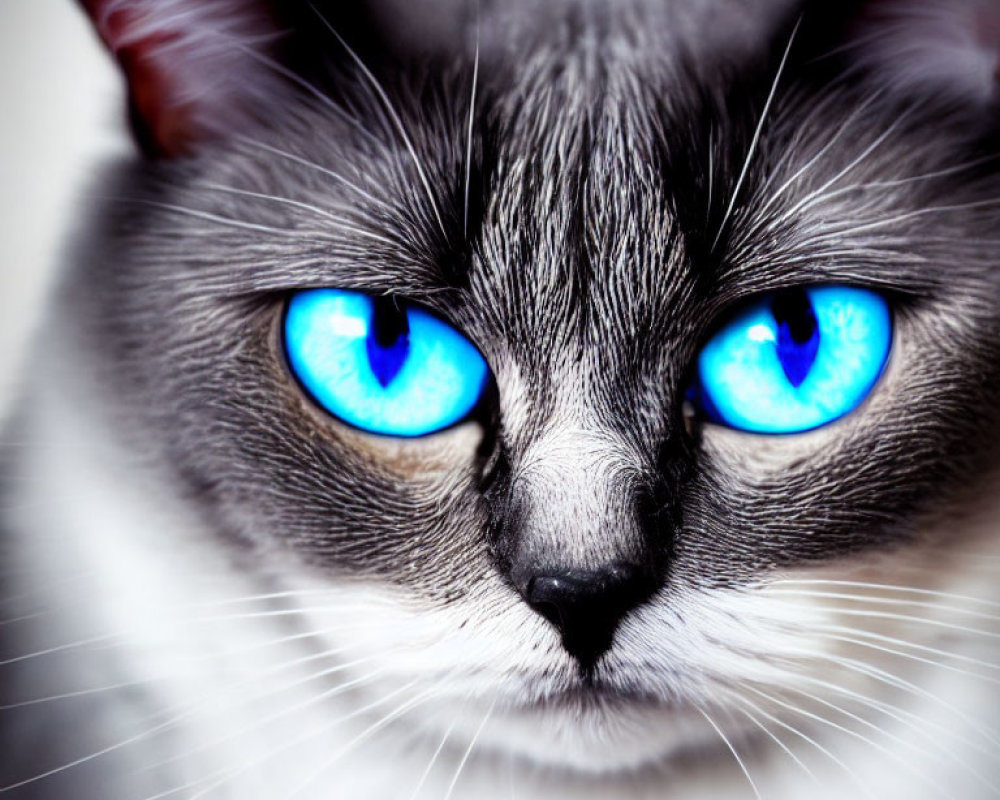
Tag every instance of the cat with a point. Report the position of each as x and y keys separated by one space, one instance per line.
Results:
x=604 y=568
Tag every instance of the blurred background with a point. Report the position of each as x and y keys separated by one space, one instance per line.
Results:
x=62 y=116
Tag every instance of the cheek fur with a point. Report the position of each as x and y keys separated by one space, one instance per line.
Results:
x=293 y=605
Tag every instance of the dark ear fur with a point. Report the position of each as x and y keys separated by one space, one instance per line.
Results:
x=194 y=68
x=200 y=69
x=945 y=50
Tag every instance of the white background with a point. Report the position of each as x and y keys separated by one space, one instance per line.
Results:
x=61 y=114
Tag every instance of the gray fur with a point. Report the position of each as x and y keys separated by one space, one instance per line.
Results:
x=607 y=143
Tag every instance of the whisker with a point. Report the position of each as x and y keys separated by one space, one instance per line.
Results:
x=895 y=681
x=852 y=117
x=732 y=750
x=283 y=640
x=888 y=601
x=380 y=723
x=886 y=587
x=815 y=744
x=271 y=691
x=472 y=117
x=77 y=694
x=837 y=233
x=80 y=643
x=229 y=773
x=434 y=757
x=179 y=714
x=813 y=201
x=468 y=752
x=324 y=98
x=855 y=734
x=318 y=168
x=214 y=218
x=773 y=737
x=911 y=720
x=340 y=221
x=757 y=134
x=866 y=153
x=841 y=634
x=918 y=726
x=393 y=114
x=711 y=174
x=934 y=623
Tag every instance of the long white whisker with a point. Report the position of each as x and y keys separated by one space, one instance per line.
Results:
x=819 y=154
x=887 y=587
x=757 y=134
x=913 y=721
x=80 y=643
x=933 y=623
x=178 y=714
x=866 y=153
x=771 y=735
x=286 y=710
x=838 y=233
x=318 y=168
x=855 y=734
x=732 y=750
x=209 y=217
x=472 y=118
x=811 y=741
x=228 y=773
x=893 y=184
x=220 y=777
x=434 y=757
x=827 y=633
x=380 y=723
x=468 y=752
x=325 y=99
x=393 y=114
x=339 y=221
x=870 y=599
x=882 y=676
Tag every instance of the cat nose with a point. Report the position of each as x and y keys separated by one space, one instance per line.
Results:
x=586 y=606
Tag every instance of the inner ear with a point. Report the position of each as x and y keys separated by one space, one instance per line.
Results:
x=194 y=68
x=198 y=70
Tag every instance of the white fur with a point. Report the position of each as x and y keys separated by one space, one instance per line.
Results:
x=96 y=524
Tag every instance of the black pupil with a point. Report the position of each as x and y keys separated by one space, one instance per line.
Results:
x=798 y=333
x=388 y=343
x=389 y=323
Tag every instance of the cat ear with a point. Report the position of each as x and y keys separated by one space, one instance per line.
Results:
x=949 y=48
x=195 y=69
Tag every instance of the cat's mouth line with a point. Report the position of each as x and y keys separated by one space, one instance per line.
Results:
x=594 y=694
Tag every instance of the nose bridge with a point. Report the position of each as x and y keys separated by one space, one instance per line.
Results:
x=577 y=487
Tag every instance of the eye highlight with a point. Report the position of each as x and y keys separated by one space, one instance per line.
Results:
x=795 y=360
x=379 y=366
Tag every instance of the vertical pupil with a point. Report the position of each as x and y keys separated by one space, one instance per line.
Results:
x=798 y=334
x=388 y=342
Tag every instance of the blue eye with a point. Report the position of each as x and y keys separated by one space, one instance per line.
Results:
x=795 y=360
x=381 y=367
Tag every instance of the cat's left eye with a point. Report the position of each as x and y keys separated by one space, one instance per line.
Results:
x=379 y=365
x=795 y=360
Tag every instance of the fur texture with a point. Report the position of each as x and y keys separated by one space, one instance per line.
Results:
x=215 y=589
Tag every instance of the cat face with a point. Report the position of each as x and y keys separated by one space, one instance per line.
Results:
x=588 y=204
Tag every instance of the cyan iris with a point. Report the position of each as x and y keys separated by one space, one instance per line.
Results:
x=385 y=368
x=795 y=360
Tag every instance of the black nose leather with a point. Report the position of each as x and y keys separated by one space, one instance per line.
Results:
x=586 y=607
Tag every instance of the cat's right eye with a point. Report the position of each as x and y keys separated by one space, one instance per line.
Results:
x=382 y=366
x=794 y=360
